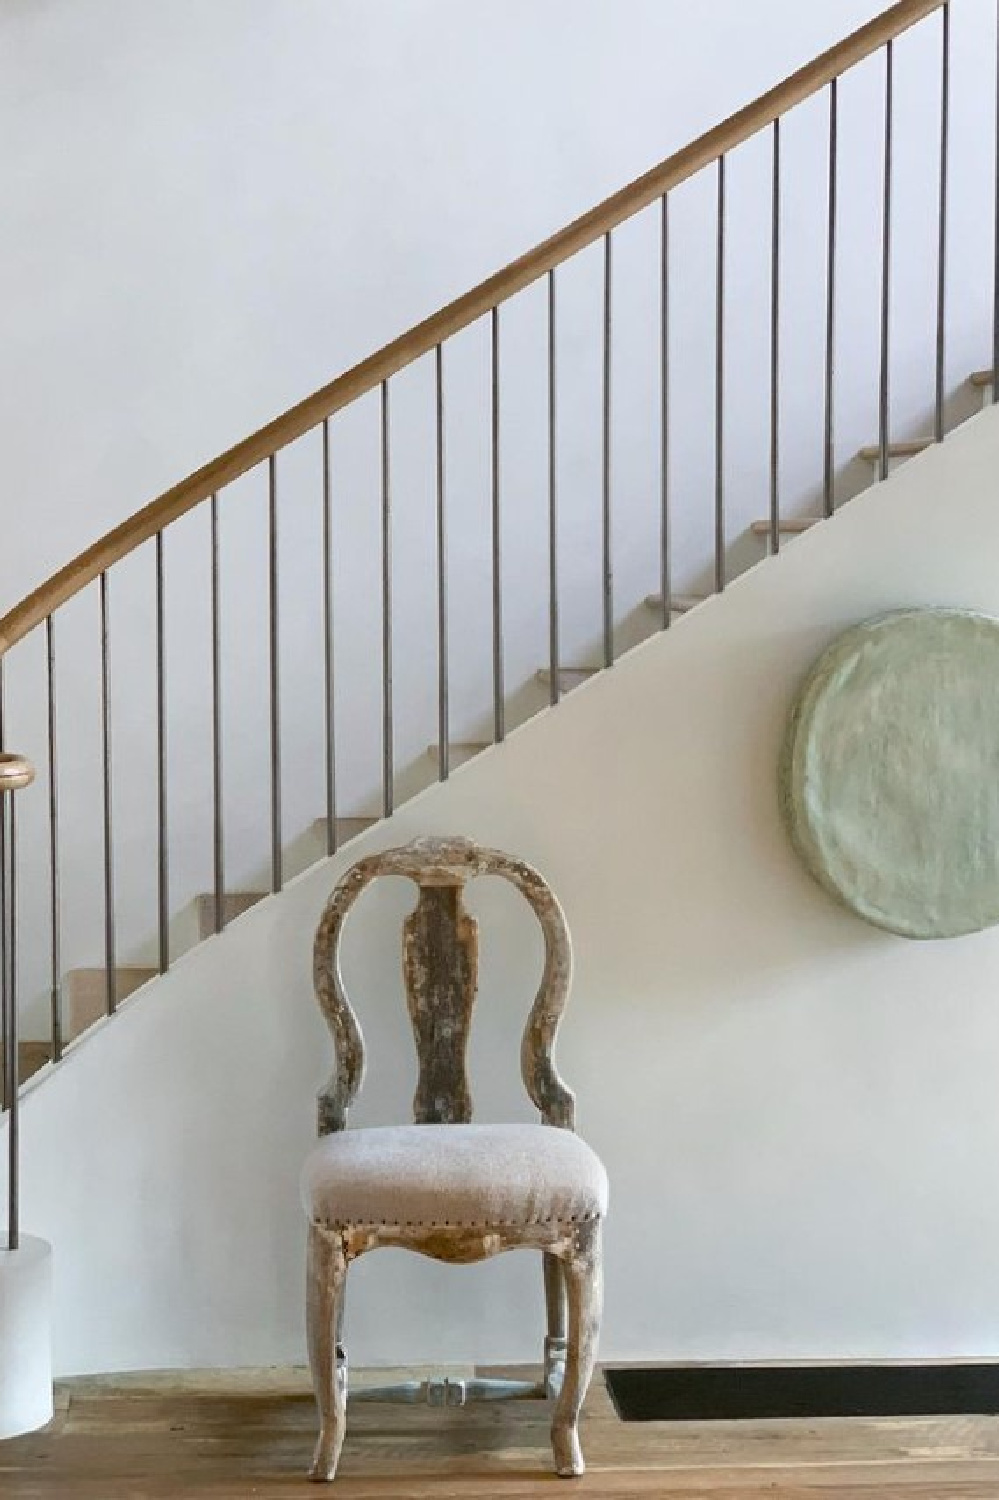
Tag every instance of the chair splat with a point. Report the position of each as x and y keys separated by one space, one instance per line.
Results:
x=440 y=969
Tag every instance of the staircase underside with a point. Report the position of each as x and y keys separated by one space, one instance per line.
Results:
x=85 y=997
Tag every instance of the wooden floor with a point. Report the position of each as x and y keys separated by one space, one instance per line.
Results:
x=229 y=1435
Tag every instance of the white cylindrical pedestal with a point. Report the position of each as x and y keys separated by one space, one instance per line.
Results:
x=25 y=1336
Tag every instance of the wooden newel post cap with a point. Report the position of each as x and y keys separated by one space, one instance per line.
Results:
x=15 y=771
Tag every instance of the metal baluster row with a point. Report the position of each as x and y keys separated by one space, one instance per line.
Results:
x=720 y=381
x=7 y=829
x=15 y=772
x=938 y=402
x=110 y=974
x=884 y=413
x=55 y=934
x=8 y=975
x=995 y=221
x=775 y=343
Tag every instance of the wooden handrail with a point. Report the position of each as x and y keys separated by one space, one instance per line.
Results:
x=424 y=337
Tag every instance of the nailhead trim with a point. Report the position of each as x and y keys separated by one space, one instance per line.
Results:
x=457 y=1223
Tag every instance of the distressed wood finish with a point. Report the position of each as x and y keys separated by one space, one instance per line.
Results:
x=576 y=1248
x=443 y=865
x=440 y=972
x=232 y=1434
x=440 y=964
x=326 y=1278
x=584 y=1285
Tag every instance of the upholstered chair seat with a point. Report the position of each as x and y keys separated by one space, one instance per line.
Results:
x=443 y=1186
x=473 y=1176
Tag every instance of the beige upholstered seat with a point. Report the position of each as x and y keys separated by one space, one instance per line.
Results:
x=469 y=1175
x=442 y=1186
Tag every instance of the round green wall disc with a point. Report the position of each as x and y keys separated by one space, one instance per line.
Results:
x=889 y=777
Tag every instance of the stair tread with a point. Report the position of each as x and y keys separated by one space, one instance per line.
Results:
x=793 y=524
x=907 y=449
x=134 y=974
x=86 y=997
x=544 y=674
x=679 y=603
x=234 y=904
x=347 y=828
x=31 y=1058
x=246 y=898
x=463 y=747
x=981 y=377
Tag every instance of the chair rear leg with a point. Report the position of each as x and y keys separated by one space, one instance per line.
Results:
x=555 y=1314
x=326 y=1278
x=342 y=1362
x=583 y=1269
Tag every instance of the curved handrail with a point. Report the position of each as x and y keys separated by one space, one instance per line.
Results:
x=425 y=336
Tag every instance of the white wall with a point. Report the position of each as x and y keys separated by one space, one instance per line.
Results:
x=797 y=1110
x=211 y=209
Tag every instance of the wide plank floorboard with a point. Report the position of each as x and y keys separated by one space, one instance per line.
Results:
x=231 y=1435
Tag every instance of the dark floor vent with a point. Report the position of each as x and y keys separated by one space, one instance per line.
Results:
x=714 y=1393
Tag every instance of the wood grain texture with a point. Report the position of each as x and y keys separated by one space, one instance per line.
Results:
x=440 y=973
x=440 y=964
x=793 y=525
x=576 y=1246
x=229 y=1435
x=425 y=336
x=872 y=453
x=582 y=1266
x=326 y=1279
x=443 y=865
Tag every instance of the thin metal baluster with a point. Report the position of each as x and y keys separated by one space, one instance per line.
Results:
x=10 y=987
x=883 y=396
x=277 y=873
x=218 y=845
x=938 y=412
x=995 y=298
x=608 y=569
x=720 y=384
x=665 y=570
x=9 y=1056
x=329 y=695
x=554 y=685
x=55 y=929
x=163 y=891
x=110 y=970
x=388 y=775
x=499 y=704
x=443 y=731
x=775 y=346
x=829 y=439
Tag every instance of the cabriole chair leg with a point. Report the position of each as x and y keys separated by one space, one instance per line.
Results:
x=326 y=1278
x=584 y=1297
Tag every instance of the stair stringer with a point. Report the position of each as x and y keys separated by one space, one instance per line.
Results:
x=796 y=1111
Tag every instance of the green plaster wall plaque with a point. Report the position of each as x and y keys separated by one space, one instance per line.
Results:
x=889 y=776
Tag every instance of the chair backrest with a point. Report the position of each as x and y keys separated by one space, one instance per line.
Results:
x=440 y=972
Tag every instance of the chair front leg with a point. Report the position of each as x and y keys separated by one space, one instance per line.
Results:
x=555 y=1315
x=326 y=1279
x=583 y=1268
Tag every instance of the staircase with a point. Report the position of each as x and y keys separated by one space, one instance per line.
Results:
x=57 y=1001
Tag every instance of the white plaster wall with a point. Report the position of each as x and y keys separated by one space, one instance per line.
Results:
x=797 y=1110
x=209 y=210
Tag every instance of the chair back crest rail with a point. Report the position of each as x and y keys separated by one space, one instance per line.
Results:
x=440 y=973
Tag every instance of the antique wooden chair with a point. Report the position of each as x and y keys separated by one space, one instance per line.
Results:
x=450 y=1189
